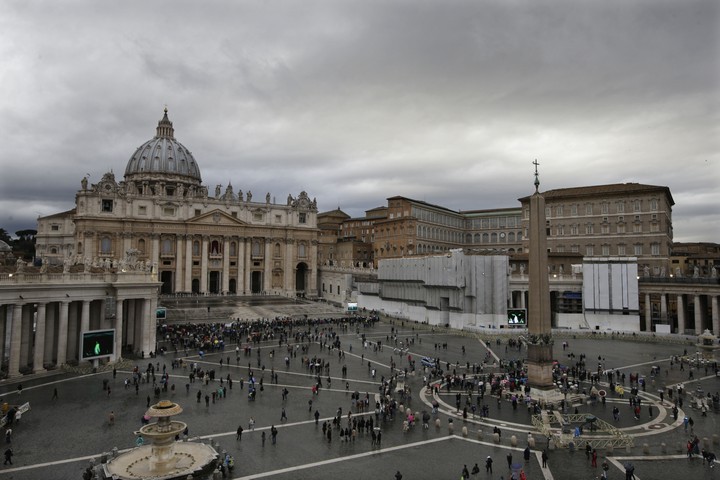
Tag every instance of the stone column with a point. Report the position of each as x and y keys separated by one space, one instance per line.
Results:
x=267 y=273
x=155 y=260
x=15 y=341
x=289 y=274
x=85 y=316
x=62 y=334
x=204 y=264
x=226 y=265
x=39 y=353
x=312 y=280
x=698 y=315
x=715 y=315
x=118 y=329
x=248 y=265
x=178 y=263
x=188 y=263
x=681 y=315
x=648 y=313
x=241 y=266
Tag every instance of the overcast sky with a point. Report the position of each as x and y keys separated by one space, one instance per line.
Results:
x=443 y=101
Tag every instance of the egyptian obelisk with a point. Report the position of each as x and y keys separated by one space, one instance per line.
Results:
x=540 y=349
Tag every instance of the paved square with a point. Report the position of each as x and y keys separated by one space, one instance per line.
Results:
x=57 y=438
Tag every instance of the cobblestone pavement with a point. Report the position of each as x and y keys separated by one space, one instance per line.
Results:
x=56 y=438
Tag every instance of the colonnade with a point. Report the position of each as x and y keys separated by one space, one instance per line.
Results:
x=43 y=333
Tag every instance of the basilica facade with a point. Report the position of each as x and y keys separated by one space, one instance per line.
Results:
x=195 y=241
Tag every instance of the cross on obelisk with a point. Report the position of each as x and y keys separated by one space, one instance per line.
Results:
x=540 y=356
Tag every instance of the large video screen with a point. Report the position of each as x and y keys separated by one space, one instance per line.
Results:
x=517 y=317
x=97 y=344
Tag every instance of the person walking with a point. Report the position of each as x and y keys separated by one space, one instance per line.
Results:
x=238 y=437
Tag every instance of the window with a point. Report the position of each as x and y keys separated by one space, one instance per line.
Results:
x=621 y=249
x=105 y=246
x=142 y=210
x=589 y=250
x=107 y=205
x=302 y=217
x=655 y=249
x=638 y=249
x=167 y=247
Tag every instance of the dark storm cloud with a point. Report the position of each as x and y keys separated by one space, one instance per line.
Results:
x=354 y=102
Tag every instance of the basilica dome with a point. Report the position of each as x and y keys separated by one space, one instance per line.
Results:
x=163 y=158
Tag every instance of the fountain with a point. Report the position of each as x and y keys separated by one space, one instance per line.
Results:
x=163 y=458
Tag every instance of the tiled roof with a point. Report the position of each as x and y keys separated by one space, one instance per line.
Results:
x=599 y=190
